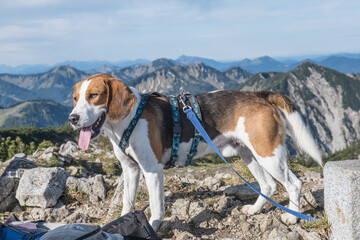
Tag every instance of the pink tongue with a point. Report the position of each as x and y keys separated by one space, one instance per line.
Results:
x=84 y=138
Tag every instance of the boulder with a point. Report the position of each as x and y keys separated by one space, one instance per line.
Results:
x=70 y=149
x=93 y=187
x=46 y=154
x=41 y=187
x=7 y=193
x=14 y=164
x=342 y=194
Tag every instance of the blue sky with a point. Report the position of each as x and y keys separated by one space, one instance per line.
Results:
x=51 y=31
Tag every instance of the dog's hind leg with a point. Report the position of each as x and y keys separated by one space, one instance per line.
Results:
x=266 y=182
x=277 y=166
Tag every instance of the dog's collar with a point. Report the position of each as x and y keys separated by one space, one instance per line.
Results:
x=128 y=131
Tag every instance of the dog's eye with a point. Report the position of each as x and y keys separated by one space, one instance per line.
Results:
x=75 y=99
x=93 y=95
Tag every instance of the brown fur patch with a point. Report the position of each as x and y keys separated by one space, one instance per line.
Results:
x=99 y=87
x=154 y=133
x=121 y=100
x=265 y=130
x=282 y=102
x=263 y=123
x=112 y=94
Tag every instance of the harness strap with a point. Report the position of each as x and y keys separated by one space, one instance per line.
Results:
x=127 y=133
x=176 y=130
x=193 y=150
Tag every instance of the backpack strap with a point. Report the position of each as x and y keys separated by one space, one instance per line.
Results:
x=94 y=232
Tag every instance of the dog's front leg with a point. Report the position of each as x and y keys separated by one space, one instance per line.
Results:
x=131 y=174
x=155 y=184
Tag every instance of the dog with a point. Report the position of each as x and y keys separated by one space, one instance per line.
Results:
x=251 y=124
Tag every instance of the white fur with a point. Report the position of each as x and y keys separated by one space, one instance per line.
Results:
x=302 y=136
x=264 y=168
x=140 y=149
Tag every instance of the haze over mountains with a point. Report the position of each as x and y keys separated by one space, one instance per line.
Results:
x=328 y=100
x=342 y=62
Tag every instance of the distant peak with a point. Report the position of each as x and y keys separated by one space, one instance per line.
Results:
x=162 y=62
x=307 y=64
x=62 y=68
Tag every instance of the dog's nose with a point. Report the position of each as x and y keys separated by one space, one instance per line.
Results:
x=74 y=118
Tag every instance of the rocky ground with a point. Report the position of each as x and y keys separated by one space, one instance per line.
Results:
x=202 y=201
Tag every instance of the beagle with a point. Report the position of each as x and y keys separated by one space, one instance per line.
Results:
x=245 y=123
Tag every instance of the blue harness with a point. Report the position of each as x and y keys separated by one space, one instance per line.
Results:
x=127 y=133
x=175 y=102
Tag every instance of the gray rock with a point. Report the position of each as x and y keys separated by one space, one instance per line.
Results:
x=195 y=208
x=244 y=192
x=14 y=164
x=342 y=194
x=304 y=234
x=73 y=170
x=180 y=208
x=282 y=234
x=20 y=155
x=266 y=223
x=98 y=151
x=312 y=176
x=117 y=197
x=69 y=149
x=49 y=153
x=41 y=187
x=7 y=193
x=93 y=187
x=185 y=236
x=310 y=199
x=214 y=182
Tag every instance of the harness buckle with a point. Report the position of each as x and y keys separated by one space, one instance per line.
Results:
x=182 y=98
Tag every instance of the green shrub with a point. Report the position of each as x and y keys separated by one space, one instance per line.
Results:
x=45 y=144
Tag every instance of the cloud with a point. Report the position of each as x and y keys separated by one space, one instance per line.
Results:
x=54 y=30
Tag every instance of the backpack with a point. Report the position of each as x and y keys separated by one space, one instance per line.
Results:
x=9 y=232
x=132 y=226
x=79 y=231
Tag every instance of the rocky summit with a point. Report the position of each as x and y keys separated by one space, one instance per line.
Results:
x=203 y=201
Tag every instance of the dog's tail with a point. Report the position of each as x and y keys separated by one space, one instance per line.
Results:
x=299 y=132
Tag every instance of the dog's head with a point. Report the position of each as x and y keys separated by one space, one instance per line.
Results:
x=98 y=99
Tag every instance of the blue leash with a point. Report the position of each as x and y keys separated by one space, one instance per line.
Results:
x=192 y=117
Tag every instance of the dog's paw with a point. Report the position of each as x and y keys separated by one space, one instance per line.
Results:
x=288 y=218
x=249 y=210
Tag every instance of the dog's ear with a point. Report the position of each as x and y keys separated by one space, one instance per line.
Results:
x=120 y=99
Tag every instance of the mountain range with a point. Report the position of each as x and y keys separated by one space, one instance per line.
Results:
x=328 y=100
x=38 y=113
x=342 y=62
x=161 y=75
